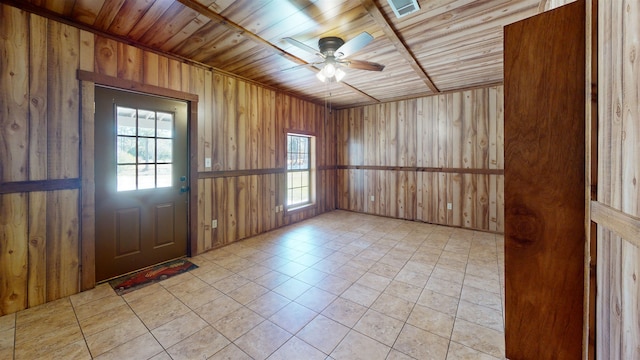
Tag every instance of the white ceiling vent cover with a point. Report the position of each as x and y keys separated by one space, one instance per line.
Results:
x=403 y=7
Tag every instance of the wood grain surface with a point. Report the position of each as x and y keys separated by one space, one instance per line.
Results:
x=416 y=156
x=544 y=184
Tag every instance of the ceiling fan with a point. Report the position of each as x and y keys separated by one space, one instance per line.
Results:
x=334 y=53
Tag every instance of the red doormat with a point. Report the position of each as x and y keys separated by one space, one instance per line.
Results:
x=139 y=279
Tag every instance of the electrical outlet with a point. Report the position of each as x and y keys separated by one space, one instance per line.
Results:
x=373 y=198
x=207 y=162
x=277 y=209
x=449 y=206
x=214 y=223
x=281 y=208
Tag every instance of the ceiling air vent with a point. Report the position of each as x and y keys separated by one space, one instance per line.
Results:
x=403 y=7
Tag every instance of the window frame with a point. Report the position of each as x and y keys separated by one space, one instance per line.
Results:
x=136 y=138
x=311 y=171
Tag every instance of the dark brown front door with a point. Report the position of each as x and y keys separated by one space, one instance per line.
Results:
x=141 y=175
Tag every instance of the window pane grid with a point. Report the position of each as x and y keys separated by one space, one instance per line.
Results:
x=144 y=149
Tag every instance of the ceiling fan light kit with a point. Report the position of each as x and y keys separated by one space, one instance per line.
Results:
x=330 y=73
x=334 y=52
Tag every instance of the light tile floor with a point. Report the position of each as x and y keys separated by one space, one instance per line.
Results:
x=339 y=286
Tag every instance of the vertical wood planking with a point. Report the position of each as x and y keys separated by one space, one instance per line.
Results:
x=241 y=123
x=150 y=68
x=229 y=124
x=381 y=136
x=440 y=150
x=87 y=261
x=269 y=105
x=493 y=138
x=37 y=249
x=231 y=214
x=618 y=152
x=369 y=140
x=163 y=72
x=219 y=200
x=630 y=175
x=468 y=132
x=481 y=216
x=14 y=125
x=209 y=204
x=130 y=63
x=106 y=56
x=403 y=129
x=255 y=223
x=481 y=117
x=391 y=130
x=203 y=222
x=451 y=131
x=610 y=79
x=62 y=244
x=197 y=86
x=630 y=300
x=38 y=98
x=175 y=75
x=63 y=102
x=87 y=166
x=217 y=120
x=242 y=207
x=411 y=129
x=14 y=255
x=254 y=141
x=206 y=151
x=185 y=79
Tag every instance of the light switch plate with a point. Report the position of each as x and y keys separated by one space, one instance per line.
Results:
x=207 y=162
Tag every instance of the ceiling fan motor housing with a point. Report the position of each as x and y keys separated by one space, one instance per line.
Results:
x=328 y=45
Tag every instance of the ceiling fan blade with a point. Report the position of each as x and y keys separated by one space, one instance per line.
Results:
x=364 y=65
x=354 y=44
x=301 y=66
x=303 y=46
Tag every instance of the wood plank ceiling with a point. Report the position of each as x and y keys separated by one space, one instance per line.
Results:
x=446 y=45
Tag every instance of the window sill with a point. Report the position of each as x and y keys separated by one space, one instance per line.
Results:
x=299 y=208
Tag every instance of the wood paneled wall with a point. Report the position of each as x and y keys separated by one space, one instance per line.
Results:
x=617 y=208
x=248 y=151
x=40 y=142
x=414 y=157
x=46 y=161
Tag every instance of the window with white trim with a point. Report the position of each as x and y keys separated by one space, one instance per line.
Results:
x=300 y=169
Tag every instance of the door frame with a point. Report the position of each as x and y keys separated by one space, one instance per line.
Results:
x=88 y=82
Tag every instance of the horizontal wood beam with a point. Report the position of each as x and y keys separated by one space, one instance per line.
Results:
x=399 y=44
x=250 y=172
x=122 y=84
x=625 y=225
x=235 y=173
x=424 y=169
x=39 y=185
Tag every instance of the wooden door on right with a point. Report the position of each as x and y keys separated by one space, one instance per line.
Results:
x=544 y=132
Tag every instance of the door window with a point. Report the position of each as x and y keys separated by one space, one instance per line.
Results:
x=144 y=149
